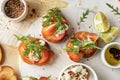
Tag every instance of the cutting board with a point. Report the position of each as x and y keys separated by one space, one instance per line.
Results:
x=36 y=9
x=10 y=58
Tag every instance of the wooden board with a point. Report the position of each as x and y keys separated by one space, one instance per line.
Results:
x=10 y=57
x=36 y=9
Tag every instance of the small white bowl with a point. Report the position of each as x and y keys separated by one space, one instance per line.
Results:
x=20 y=18
x=103 y=54
x=93 y=75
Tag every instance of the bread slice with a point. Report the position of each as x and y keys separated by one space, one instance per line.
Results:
x=0 y=55
x=7 y=73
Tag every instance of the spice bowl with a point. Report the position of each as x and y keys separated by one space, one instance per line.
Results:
x=107 y=56
x=14 y=10
x=78 y=71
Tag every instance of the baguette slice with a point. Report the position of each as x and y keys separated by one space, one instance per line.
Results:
x=7 y=73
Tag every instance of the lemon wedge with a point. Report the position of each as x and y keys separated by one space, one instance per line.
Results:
x=101 y=22
x=109 y=35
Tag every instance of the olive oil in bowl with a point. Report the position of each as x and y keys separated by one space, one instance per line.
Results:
x=112 y=55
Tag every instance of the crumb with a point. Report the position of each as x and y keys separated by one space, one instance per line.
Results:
x=79 y=3
x=33 y=11
x=40 y=34
x=43 y=68
x=95 y=7
x=112 y=69
x=31 y=15
x=87 y=59
x=38 y=16
x=90 y=26
x=72 y=28
x=9 y=21
x=28 y=6
x=7 y=28
x=56 y=78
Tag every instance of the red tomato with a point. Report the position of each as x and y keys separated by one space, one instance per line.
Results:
x=43 y=78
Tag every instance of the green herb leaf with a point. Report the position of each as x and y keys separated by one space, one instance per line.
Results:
x=55 y=14
x=88 y=45
x=84 y=16
x=85 y=44
x=49 y=77
x=33 y=78
x=114 y=10
x=32 y=46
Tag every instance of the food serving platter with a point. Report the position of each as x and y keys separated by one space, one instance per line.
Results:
x=72 y=13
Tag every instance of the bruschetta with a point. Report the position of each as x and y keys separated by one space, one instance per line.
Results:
x=82 y=45
x=54 y=26
x=7 y=73
x=34 y=51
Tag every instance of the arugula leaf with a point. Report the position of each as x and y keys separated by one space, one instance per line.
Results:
x=33 y=78
x=54 y=13
x=88 y=45
x=85 y=44
x=32 y=46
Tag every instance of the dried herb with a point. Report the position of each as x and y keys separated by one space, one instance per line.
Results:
x=114 y=10
x=84 y=16
x=32 y=46
x=55 y=14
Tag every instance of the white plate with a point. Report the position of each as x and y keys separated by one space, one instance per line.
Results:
x=72 y=13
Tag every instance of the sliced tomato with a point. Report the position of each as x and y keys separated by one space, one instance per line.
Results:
x=75 y=56
x=83 y=36
x=43 y=78
x=21 y=49
x=49 y=30
x=48 y=33
x=46 y=55
x=64 y=21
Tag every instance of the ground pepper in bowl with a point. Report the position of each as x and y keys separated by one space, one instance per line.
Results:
x=14 y=8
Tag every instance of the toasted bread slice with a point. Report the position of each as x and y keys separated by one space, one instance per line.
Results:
x=7 y=73
x=0 y=55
